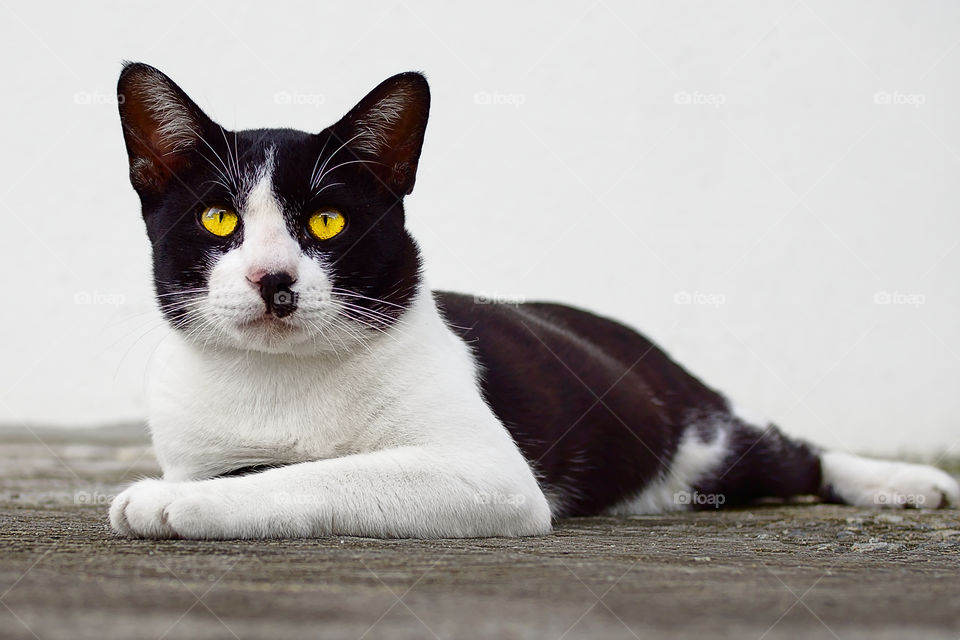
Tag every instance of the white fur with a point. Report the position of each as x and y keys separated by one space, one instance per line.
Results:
x=388 y=436
x=377 y=450
x=880 y=483
x=674 y=490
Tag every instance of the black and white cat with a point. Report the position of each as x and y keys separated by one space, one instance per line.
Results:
x=314 y=384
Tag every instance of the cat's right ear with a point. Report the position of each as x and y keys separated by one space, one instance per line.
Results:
x=161 y=126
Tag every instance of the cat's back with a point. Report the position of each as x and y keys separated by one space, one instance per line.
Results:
x=568 y=383
x=543 y=337
x=493 y=327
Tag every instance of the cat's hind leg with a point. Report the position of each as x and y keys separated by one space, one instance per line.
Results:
x=866 y=482
x=720 y=461
x=765 y=463
x=758 y=463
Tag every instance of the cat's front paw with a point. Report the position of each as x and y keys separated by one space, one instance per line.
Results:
x=158 y=509
x=141 y=511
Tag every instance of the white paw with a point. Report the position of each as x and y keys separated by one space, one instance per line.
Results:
x=140 y=510
x=158 y=509
x=880 y=483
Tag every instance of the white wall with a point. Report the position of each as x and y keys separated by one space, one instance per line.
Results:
x=783 y=190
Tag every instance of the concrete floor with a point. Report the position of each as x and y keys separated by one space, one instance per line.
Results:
x=769 y=572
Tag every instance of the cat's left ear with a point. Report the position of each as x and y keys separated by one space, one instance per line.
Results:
x=387 y=127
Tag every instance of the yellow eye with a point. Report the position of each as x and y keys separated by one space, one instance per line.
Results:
x=326 y=223
x=219 y=221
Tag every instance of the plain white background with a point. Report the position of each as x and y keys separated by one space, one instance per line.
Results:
x=767 y=189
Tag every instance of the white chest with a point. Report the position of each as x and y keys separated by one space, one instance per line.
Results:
x=216 y=411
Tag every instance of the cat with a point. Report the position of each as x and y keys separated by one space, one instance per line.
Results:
x=313 y=384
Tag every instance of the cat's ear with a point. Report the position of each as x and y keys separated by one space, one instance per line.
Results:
x=387 y=127
x=161 y=126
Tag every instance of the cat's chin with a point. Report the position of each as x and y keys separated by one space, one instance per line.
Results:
x=271 y=335
x=267 y=334
x=283 y=337
x=268 y=325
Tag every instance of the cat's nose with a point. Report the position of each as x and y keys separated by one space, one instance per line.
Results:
x=275 y=290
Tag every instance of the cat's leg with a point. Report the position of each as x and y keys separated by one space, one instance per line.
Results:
x=867 y=482
x=720 y=461
x=764 y=463
x=758 y=463
x=404 y=492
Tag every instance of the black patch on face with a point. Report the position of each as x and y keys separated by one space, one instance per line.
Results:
x=374 y=257
x=183 y=163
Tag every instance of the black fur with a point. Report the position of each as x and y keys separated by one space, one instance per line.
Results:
x=599 y=410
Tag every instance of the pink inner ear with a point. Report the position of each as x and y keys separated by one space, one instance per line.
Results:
x=153 y=160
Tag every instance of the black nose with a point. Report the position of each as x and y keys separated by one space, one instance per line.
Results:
x=276 y=293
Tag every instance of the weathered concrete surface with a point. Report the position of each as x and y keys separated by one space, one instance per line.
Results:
x=771 y=572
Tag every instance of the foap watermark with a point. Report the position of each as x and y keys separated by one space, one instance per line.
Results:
x=498 y=298
x=700 y=298
x=697 y=499
x=497 y=498
x=97 y=98
x=95 y=498
x=99 y=298
x=714 y=100
x=897 y=98
x=900 y=499
x=285 y=298
x=496 y=98
x=297 y=98
x=899 y=298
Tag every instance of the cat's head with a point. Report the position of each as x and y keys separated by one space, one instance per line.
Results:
x=274 y=239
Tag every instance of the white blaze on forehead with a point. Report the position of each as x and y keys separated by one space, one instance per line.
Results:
x=267 y=243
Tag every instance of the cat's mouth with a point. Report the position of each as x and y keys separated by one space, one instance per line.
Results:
x=269 y=322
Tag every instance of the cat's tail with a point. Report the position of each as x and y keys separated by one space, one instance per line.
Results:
x=765 y=463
